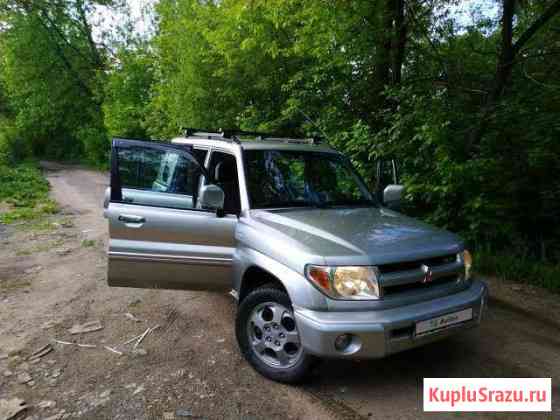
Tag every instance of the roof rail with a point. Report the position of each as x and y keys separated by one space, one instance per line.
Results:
x=210 y=134
x=229 y=133
x=311 y=140
x=233 y=134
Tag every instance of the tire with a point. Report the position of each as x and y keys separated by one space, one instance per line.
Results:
x=293 y=366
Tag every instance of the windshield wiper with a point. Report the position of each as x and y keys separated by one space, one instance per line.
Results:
x=279 y=204
x=351 y=203
x=317 y=204
x=322 y=204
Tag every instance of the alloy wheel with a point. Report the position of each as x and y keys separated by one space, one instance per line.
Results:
x=273 y=335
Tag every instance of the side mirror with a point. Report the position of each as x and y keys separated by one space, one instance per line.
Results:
x=212 y=198
x=392 y=195
x=107 y=198
x=386 y=174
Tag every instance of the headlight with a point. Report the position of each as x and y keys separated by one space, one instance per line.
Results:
x=345 y=282
x=466 y=259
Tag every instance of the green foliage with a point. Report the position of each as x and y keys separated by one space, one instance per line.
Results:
x=441 y=184
x=50 y=73
x=88 y=243
x=23 y=193
x=12 y=148
x=94 y=143
x=515 y=267
x=128 y=94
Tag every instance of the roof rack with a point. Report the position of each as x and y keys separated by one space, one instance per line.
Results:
x=311 y=140
x=233 y=135
x=210 y=134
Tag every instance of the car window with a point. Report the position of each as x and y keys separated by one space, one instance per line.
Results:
x=156 y=177
x=223 y=170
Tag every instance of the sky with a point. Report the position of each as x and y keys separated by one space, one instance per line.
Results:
x=466 y=9
x=138 y=9
x=106 y=19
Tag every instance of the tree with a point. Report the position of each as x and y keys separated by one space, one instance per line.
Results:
x=128 y=93
x=508 y=54
x=53 y=72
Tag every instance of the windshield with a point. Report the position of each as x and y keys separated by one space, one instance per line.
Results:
x=302 y=179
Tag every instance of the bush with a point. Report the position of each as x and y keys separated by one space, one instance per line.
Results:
x=25 y=191
x=96 y=144
x=12 y=147
x=519 y=268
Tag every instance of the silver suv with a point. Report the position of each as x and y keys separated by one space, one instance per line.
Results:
x=319 y=267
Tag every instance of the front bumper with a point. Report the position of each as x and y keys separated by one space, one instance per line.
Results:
x=380 y=333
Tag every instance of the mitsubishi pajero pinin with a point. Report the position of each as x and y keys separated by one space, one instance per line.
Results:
x=319 y=265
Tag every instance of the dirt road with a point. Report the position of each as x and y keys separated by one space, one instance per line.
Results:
x=52 y=276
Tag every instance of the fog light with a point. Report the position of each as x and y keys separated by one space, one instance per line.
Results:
x=467 y=262
x=342 y=342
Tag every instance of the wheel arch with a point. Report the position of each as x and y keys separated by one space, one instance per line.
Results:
x=253 y=269
x=255 y=277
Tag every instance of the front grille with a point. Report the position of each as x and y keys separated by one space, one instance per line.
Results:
x=401 y=288
x=418 y=275
x=411 y=265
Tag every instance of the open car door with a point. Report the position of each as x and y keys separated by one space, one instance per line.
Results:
x=159 y=236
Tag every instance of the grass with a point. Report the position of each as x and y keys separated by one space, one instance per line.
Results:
x=88 y=243
x=43 y=225
x=42 y=247
x=519 y=269
x=24 y=194
x=11 y=285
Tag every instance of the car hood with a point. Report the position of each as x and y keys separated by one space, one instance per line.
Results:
x=362 y=235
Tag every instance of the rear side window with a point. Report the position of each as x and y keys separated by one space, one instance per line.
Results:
x=200 y=155
x=156 y=177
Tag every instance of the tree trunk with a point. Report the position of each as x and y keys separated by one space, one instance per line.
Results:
x=507 y=54
x=506 y=62
x=86 y=30
x=399 y=42
x=390 y=49
x=383 y=52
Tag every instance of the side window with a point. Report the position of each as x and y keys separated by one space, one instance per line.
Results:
x=223 y=169
x=158 y=177
x=200 y=155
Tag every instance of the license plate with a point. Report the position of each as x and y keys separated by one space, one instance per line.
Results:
x=443 y=321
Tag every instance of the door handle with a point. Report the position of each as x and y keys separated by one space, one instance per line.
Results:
x=131 y=219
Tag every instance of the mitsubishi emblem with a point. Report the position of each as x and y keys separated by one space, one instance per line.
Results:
x=428 y=274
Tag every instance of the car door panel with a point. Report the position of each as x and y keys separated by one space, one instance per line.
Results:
x=179 y=250
x=157 y=241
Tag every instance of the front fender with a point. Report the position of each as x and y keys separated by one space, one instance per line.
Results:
x=301 y=292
